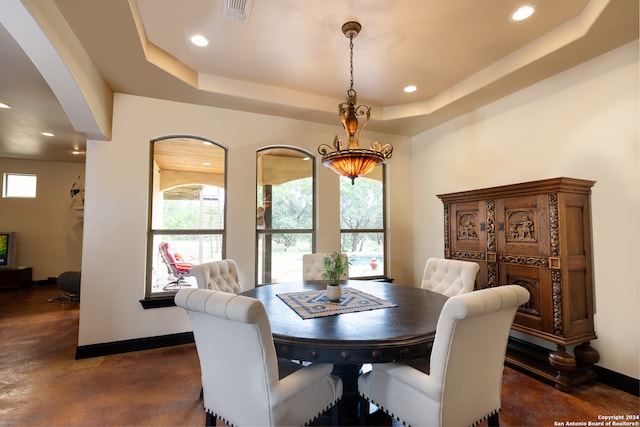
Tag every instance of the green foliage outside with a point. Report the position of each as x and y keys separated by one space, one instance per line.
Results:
x=291 y=209
x=360 y=208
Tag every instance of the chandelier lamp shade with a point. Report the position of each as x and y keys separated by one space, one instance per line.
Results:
x=353 y=161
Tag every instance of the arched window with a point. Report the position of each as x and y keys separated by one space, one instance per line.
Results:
x=186 y=210
x=285 y=214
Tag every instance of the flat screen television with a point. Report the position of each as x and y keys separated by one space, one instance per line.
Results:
x=7 y=249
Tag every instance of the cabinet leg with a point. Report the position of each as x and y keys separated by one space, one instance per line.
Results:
x=564 y=363
x=586 y=357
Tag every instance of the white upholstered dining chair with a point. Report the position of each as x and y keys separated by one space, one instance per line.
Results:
x=464 y=384
x=313 y=267
x=241 y=378
x=449 y=277
x=218 y=275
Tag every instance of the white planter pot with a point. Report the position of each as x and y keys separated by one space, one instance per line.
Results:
x=334 y=292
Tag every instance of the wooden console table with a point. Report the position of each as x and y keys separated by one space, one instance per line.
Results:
x=15 y=277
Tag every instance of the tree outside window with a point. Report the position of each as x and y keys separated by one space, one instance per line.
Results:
x=284 y=214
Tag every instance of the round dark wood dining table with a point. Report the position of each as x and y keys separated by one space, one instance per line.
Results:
x=350 y=340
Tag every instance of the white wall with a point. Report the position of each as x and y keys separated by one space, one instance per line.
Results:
x=115 y=224
x=49 y=233
x=582 y=123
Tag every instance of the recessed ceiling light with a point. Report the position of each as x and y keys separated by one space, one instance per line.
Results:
x=199 y=40
x=3 y=105
x=46 y=134
x=410 y=88
x=522 y=13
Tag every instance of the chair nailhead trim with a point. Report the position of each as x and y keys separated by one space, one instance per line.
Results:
x=404 y=423
x=224 y=420
x=494 y=412
x=321 y=412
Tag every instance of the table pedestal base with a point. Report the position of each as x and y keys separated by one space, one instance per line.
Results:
x=349 y=373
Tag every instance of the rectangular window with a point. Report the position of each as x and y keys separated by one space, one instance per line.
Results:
x=284 y=262
x=19 y=185
x=362 y=224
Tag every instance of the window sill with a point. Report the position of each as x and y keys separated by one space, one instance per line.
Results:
x=383 y=279
x=376 y=279
x=158 y=302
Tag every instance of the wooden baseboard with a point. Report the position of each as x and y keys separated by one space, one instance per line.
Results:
x=617 y=380
x=126 y=346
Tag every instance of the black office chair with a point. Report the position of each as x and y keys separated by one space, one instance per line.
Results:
x=69 y=283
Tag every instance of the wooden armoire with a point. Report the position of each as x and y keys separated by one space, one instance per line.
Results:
x=537 y=235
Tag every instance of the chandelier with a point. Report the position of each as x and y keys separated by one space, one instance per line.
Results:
x=353 y=161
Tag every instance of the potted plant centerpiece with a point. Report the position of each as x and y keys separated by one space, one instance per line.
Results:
x=335 y=265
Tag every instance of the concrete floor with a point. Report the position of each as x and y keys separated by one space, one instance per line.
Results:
x=41 y=384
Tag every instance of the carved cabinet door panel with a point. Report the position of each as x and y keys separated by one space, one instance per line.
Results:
x=467 y=232
x=537 y=314
x=468 y=229
x=523 y=226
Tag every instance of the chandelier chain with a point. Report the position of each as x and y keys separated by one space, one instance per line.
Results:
x=351 y=60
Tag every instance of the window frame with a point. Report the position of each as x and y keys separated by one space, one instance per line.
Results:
x=270 y=232
x=165 y=298
x=382 y=230
x=6 y=187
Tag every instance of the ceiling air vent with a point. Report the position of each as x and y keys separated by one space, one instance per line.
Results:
x=237 y=9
